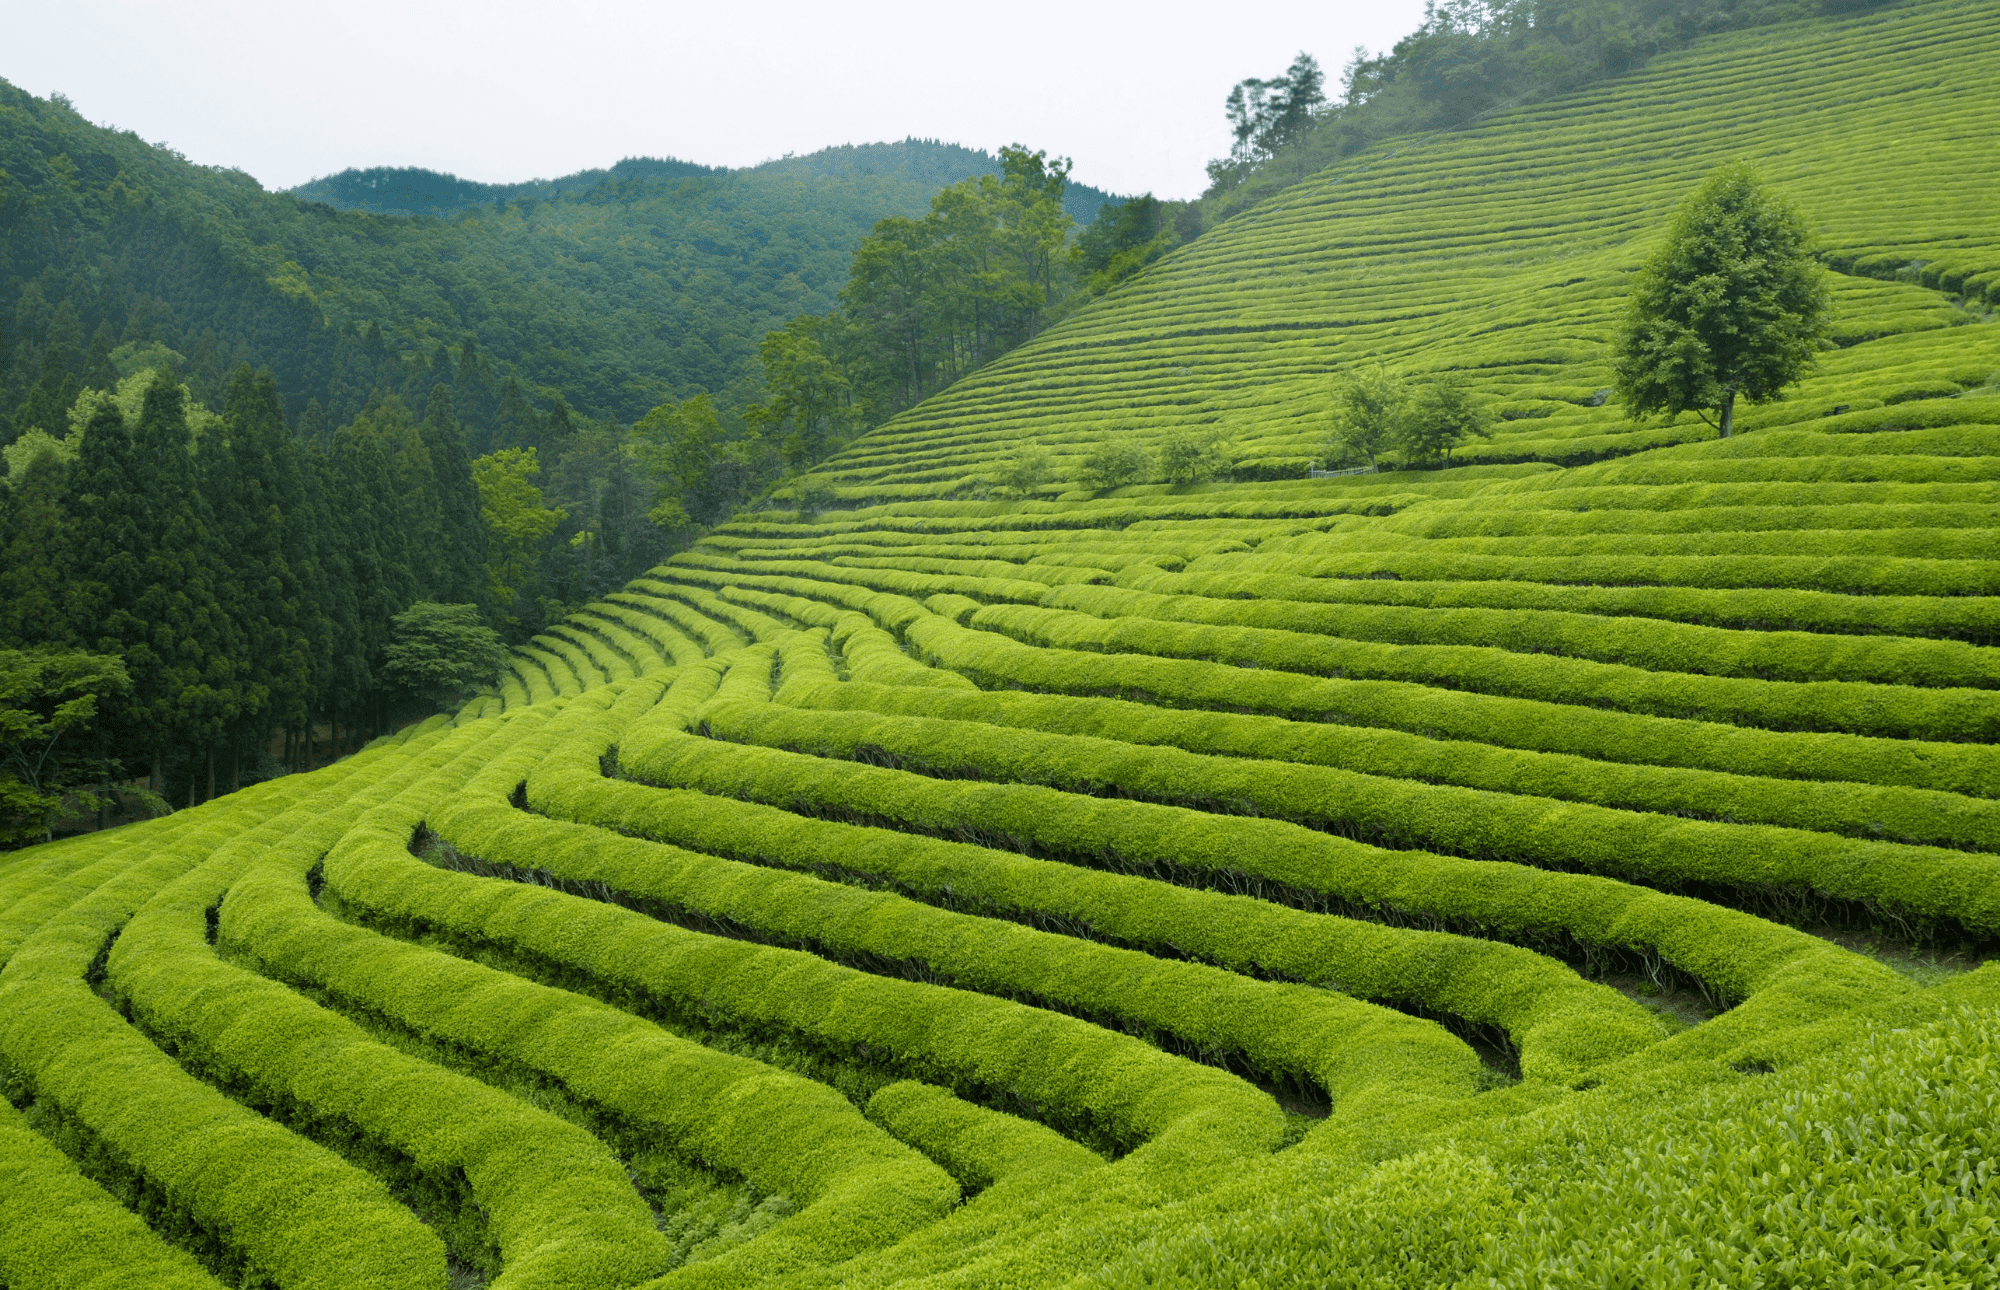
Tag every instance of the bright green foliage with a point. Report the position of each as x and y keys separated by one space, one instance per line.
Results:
x=516 y=521
x=1113 y=462
x=1026 y=471
x=1731 y=304
x=1367 y=414
x=1190 y=456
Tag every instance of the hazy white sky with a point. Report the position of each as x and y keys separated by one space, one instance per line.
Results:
x=503 y=90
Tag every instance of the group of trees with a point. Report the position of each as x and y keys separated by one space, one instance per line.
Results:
x=1468 y=57
x=241 y=576
x=1375 y=411
x=930 y=300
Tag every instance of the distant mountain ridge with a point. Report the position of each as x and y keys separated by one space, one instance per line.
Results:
x=415 y=191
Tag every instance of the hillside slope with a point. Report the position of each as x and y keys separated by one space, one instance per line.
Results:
x=1578 y=868
x=614 y=289
x=1499 y=251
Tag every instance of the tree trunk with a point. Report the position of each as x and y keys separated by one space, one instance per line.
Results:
x=1728 y=411
x=211 y=774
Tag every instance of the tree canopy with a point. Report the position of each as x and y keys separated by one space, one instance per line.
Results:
x=1731 y=304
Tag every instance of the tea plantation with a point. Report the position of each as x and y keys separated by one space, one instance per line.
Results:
x=1576 y=867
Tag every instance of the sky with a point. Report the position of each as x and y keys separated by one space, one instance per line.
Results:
x=503 y=91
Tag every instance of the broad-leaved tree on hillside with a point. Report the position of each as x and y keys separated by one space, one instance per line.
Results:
x=1731 y=305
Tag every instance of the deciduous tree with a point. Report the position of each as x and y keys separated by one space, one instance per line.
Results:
x=1731 y=304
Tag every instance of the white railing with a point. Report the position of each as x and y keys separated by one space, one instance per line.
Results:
x=1314 y=472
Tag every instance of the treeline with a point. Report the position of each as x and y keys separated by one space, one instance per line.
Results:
x=246 y=577
x=612 y=289
x=928 y=300
x=1469 y=57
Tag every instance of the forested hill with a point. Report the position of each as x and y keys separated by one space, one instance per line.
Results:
x=928 y=163
x=658 y=280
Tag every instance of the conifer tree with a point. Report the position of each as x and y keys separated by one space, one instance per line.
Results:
x=35 y=540
x=106 y=503
x=460 y=575
x=254 y=489
x=186 y=670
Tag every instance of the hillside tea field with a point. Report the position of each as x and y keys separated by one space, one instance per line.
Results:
x=1574 y=868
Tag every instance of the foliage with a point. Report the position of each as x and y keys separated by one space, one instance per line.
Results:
x=1732 y=303
x=1124 y=239
x=1439 y=416
x=515 y=519
x=1113 y=462
x=50 y=765
x=1026 y=471
x=1189 y=456
x=1468 y=60
x=1567 y=869
x=441 y=652
x=1368 y=411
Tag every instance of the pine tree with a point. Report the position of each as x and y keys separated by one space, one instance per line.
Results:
x=515 y=424
x=106 y=503
x=98 y=373
x=35 y=573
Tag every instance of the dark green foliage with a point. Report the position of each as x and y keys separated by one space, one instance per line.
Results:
x=440 y=653
x=52 y=762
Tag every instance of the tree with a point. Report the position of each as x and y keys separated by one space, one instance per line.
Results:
x=50 y=766
x=439 y=653
x=1026 y=470
x=1189 y=456
x=808 y=393
x=516 y=521
x=461 y=558
x=1368 y=407
x=1439 y=416
x=815 y=496
x=1731 y=304
x=1113 y=462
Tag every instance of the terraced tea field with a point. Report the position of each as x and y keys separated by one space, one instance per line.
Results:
x=1573 y=868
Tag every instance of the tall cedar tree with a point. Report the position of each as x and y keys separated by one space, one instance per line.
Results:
x=257 y=495
x=187 y=670
x=459 y=562
x=106 y=505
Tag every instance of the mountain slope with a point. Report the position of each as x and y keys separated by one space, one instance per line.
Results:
x=614 y=289
x=1499 y=252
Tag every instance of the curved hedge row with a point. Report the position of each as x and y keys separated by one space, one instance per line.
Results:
x=250 y=1197
x=854 y=1189
x=1966 y=618
x=58 y=1229
x=1920 y=883
x=1869 y=708
x=1635 y=642
x=533 y=1198
x=999 y=662
x=1855 y=810
x=978 y=1147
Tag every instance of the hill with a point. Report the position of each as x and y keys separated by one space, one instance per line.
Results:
x=1575 y=867
x=614 y=290
x=927 y=163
